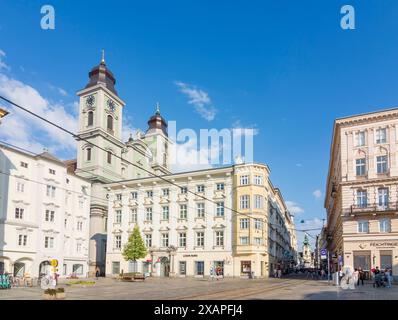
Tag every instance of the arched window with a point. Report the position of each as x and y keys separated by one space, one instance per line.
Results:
x=110 y=122
x=88 y=154
x=90 y=120
x=123 y=171
x=109 y=157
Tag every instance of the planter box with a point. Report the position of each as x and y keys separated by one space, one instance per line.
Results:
x=47 y=296
x=60 y=295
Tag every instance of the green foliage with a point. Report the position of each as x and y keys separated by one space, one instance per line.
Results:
x=135 y=247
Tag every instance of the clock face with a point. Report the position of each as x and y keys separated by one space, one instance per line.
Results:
x=111 y=105
x=90 y=101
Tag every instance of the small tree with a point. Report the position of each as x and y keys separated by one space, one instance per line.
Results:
x=135 y=247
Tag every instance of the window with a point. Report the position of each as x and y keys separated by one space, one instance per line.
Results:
x=363 y=226
x=115 y=267
x=183 y=211
x=88 y=154
x=24 y=164
x=148 y=240
x=22 y=240
x=48 y=242
x=20 y=187
x=164 y=240
x=200 y=209
x=149 y=194
x=244 y=180
x=360 y=166
x=244 y=240
x=383 y=197
x=118 y=242
x=245 y=202
x=183 y=268
x=360 y=139
x=381 y=135
x=165 y=213
x=258 y=224
x=199 y=268
x=118 y=218
x=165 y=192
x=200 y=188
x=19 y=213
x=78 y=247
x=258 y=201
x=90 y=120
x=77 y=269
x=134 y=195
x=79 y=225
x=200 y=239
x=51 y=171
x=50 y=191
x=184 y=190
x=258 y=180
x=381 y=164
x=385 y=225
x=50 y=216
x=244 y=223
x=220 y=186
x=109 y=157
x=182 y=239
x=109 y=122
x=220 y=209
x=258 y=241
x=119 y=197
x=361 y=199
x=219 y=238
x=133 y=216
x=148 y=214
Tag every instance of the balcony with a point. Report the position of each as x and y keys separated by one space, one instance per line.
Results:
x=371 y=209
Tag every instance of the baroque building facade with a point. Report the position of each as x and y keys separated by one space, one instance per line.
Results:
x=362 y=192
x=44 y=215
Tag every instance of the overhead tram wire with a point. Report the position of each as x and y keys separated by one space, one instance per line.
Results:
x=77 y=137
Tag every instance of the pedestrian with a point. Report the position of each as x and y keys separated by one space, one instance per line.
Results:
x=212 y=273
x=356 y=276
x=97 y=273
x=361 y=276
x=279 y=273
x=388 y=277
x=275 y=273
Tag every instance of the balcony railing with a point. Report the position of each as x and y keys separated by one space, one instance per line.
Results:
x=372 y=207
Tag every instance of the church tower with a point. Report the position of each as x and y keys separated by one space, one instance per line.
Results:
x=100 y=122
x=156 y=138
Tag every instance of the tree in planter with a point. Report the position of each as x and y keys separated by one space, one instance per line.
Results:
x=135 y=247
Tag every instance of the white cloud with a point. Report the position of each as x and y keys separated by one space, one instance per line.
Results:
x=24 y=130
x=317 y=193
x=199 y=99
x=294 y=208
x=245 y=130
x=2 y=63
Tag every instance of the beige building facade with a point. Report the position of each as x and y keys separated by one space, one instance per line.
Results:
x=362 y=192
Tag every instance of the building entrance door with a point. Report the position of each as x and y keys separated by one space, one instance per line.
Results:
x=362 y=260
x=164 y=267
x=19 y=269
x=385 y=260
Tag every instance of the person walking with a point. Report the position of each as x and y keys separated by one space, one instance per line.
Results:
x=279 y=273
x=97 y=273
x=361 y=276
x=388 y=277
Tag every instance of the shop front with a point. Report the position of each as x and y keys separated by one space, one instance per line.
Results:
x=371 y=254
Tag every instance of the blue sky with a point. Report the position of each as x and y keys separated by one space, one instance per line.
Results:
x=285 y=68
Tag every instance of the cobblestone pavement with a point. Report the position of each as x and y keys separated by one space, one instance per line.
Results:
x=197 y=289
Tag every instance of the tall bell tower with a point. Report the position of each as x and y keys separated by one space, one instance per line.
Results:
x=100 y=125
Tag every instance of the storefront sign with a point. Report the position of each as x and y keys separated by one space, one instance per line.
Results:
x=190 y=255
x=384 y=244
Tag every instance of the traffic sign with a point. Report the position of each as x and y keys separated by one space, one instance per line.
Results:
x=323 y=254
x=54 y=263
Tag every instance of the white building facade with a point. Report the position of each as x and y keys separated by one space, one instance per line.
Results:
x=44 y=215
x=185 y=235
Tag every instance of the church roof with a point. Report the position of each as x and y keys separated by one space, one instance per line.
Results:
x=49 y=156
x=157 y=122
x=101 y=74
